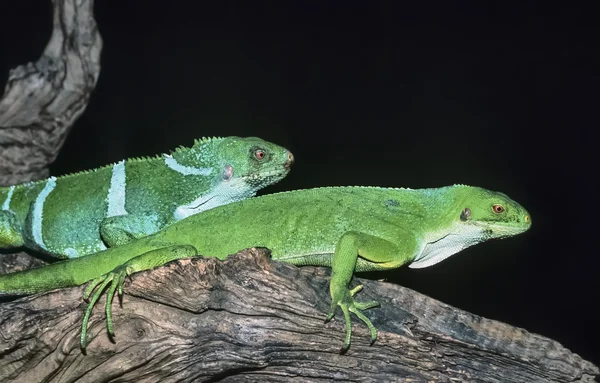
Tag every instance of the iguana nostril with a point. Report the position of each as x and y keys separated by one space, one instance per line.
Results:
x=290 y=159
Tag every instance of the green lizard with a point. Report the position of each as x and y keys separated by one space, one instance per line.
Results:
x=346 y=228
x=85 y=212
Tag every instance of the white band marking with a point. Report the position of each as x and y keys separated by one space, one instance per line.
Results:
x=38 y=212
x=185 y=170
x=6 y=204
x=116 y=192
x=221 y=194
x=71 y=252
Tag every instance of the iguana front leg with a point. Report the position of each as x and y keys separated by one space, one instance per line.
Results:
x=379 y=254
x=121 y=229
x=114 y=280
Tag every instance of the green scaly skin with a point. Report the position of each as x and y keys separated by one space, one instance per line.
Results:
x=83 y=213
x=346 y=228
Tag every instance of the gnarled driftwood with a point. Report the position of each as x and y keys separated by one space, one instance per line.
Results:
x=42 y=101
x=251 y=319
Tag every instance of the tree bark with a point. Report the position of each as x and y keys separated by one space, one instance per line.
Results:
x=251 y=319
x=42 y=101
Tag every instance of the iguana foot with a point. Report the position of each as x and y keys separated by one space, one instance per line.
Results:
x=115 y=278
x=344 y=298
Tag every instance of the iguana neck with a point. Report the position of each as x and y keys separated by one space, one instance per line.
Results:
x=200 y=159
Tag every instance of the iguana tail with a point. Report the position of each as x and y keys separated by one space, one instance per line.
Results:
x=33 y=281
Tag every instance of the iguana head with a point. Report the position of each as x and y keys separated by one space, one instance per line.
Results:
x=240 y=166
x=253 y=162
x=225 y=170
x=493 y=212
x=470 y=215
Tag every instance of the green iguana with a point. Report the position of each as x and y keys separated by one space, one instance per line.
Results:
x=346 y=228
x=85 y=212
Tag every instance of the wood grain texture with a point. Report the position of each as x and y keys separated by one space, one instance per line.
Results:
x=251 y=319
x=42 y=100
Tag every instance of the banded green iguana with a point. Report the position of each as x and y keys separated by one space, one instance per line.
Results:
x=346 y=228
x=85 y=212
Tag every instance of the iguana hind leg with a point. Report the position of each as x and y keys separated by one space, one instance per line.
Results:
x=114 y=280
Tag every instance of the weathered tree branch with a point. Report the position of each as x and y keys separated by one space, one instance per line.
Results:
x=42 y=100
x=250 y=319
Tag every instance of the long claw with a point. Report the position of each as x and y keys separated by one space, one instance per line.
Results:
x=356 y=290
x=88 y=311
x=331 y=313
x=121 y=281
x=109 y=299
x=367 y=321
x=348 y=328
x=91 y=286
x=366 y=305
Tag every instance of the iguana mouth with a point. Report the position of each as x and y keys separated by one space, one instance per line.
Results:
x=266 y=175
x=270 y=175
x=502 y=229
x=202 y=203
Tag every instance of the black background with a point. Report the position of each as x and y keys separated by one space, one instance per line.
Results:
x=492 y=94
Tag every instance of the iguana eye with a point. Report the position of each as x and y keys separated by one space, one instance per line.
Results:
x=465 y=214
x=498 y=209
x=260 y=154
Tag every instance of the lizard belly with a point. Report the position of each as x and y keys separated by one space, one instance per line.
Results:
x=314 y=258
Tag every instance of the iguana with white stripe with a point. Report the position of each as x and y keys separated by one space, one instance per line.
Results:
x=86 y=212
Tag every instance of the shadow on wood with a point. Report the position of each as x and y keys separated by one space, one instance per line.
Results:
x=249 y=319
